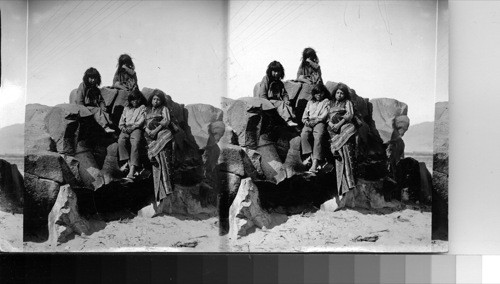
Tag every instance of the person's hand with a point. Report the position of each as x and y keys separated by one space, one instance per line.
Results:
x=287 y=102
x=336 y=128
x=331 y=124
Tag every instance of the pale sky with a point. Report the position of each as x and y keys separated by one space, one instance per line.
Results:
x=12 y=91
x=177 y=46
x=379 y=48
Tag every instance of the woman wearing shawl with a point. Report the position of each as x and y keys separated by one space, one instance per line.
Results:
x=159 y=139
x=341 y=130
x=125 y=76
x=309 y=71
x=272 y=88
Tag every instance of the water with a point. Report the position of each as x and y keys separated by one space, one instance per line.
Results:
x=16 y=160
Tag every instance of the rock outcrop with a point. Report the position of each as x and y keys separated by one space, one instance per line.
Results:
x=245 y=212
x=278 y=173
x=64 y=219
x=366 y=194
x=11 y=188
x=440 y=173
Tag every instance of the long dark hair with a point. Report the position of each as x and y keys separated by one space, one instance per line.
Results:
x=92 y=73
x=344 y=88
x=136 y=95
x=309 y=52
x=275 y=66
x=317 y=89
x=125 y=59
x=161 y=95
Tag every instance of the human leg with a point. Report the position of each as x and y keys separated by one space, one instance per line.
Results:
x=123 y=141
x=134 y=161
x=317 y=153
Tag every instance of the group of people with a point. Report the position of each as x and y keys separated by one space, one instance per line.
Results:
x=140 y=121
x=151 y=122
x=321 y=116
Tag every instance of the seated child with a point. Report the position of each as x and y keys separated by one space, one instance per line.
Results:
x=131 y=126
x=314 y=119
x=89 y=95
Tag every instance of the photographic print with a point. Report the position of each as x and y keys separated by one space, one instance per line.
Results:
x=235 y=126
x=12 y=93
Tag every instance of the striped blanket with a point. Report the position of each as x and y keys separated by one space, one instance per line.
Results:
x=339 y=139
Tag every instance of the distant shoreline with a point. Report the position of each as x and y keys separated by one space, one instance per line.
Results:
x=11 y=155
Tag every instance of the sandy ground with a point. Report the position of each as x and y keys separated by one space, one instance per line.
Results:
x=11 y=232
x=407 y=230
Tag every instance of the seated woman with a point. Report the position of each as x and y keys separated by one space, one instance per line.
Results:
x=341 y=129
x=89 y=95
x=314 y=119
x=125 y=76
x=272 y=88
x=131 y=126
x=159 y=140
x=309 y=70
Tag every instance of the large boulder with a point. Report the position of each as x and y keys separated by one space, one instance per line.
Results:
x=233 y=159
x=39 y=197
x=366 y=194
x=11 y=188
x=416 y=178
x=292 y=89
x=194 y=200
x=35 y=136
x=61 y=123
x=64 y=220
x=89 y=170
x=385 y=114
x=245 y=117
x=271 y=164
x=110 y=169
x=200 y=119
x=245 y=212
x=49 y=165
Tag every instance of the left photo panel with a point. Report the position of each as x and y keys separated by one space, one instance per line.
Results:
x=13 y=32
x=122 y=119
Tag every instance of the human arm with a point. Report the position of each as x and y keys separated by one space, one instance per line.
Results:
x=80 y=95
x=324 y=107
x=301 y=77
x=305 y=115
x=139 y=118
x=263 y=88
x=347 y=117
x=122 y=125
x=131 y=71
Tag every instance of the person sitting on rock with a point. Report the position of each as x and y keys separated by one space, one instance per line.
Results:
x=131 y=126
x=159 y=138
x=309 y=70
x=89 y=95
x=272 y=88
x=342 y=130
x=314 y=119
x=125 y=76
